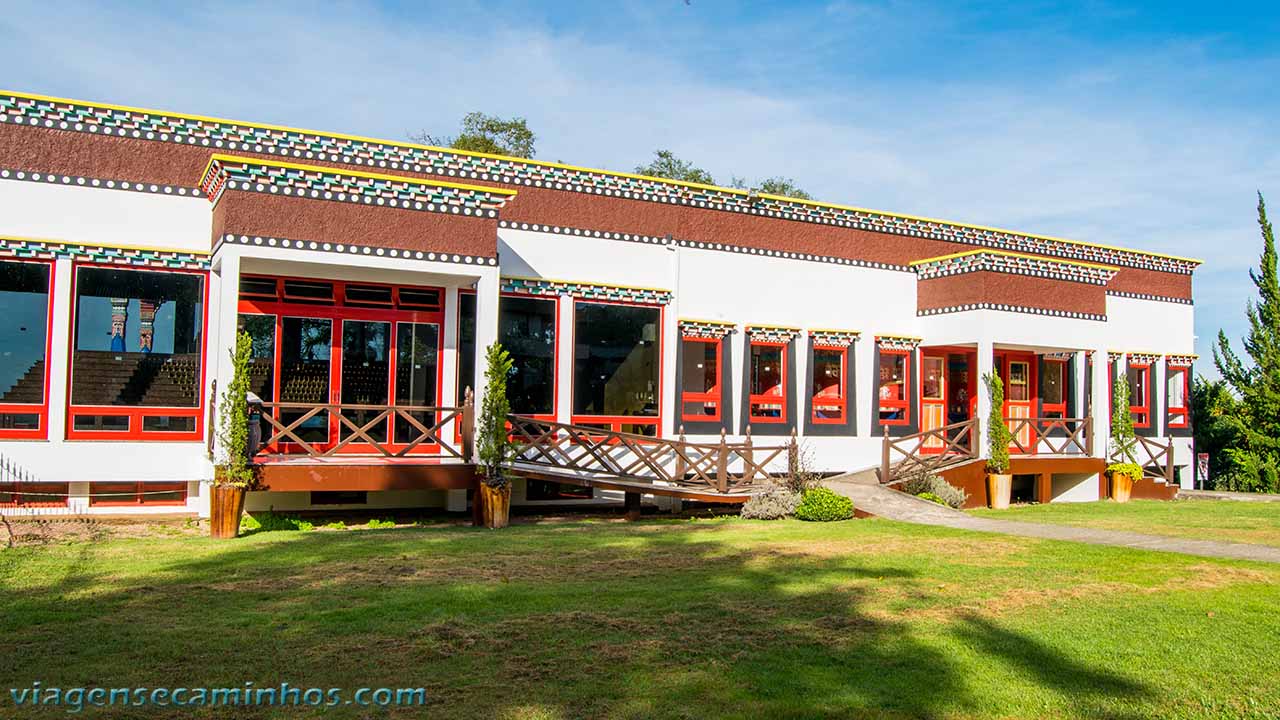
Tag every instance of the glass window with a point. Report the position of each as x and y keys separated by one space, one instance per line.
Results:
x=366 y=376
x=895 y=381
x=527 y=330
x=24 y=295
x=615 y=364
x=262 y=354
x=466 y=344
x=768 y=382
x=304 y=374
x=933 y=378
x=417 y=360
x=1177 y=385
x=137 y=339
x=829 y=397
x=1053 y=388
x=700 y=379
x=1139 y=376
x=1019 y=382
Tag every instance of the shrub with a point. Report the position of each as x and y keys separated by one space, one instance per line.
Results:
x=931 y=498
x=998 y=435
x=922 y=484
x=336 y=525
x=772 y=504
x=800 y=473
x=823 y=505
x=271 y=522
x=376 y=524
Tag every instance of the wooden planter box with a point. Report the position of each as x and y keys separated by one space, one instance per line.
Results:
x=226 y=505
x=494 y=505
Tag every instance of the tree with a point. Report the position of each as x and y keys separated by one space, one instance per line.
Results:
x=666 y=165
x=492 y=441
x=1253 y=458
x=998 y=435
x=779 y=185
x=487 y=134
x=1212 y=406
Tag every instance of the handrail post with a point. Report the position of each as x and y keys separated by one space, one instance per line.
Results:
x=748 y=459
x=1088 y=436
x=468 y=425
x=884 y=457
x=1168 y=463
x=212 y=429
x=681 y=467
x=722 y=465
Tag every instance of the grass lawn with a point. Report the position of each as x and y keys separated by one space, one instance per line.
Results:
x=1228 y=520
x=655 y=619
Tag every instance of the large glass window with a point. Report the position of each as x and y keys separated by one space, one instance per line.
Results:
x=1139 y=377
x=305 y=353
x=829 y=396
x=24 y=295
x=893 y=391
x=616 y=366
x=1053 y=384
x=1177 y=392
x=768 y=383
x=527 y=330
x=700 y=398
x=466 y=344
x=417 y=363
x=138 y=336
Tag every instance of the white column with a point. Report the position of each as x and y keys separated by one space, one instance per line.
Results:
x=670 y=333
x=864 y=379
x=564 y=359
x=222 y=332
x=59 y=359
x=1078 y=396
x=1157 y=379
x=486 y=328
x=449 y=390
x=986 y=365
x=1101 y=403
x=798 y=384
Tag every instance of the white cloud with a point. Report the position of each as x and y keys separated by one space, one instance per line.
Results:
x=1154 y=148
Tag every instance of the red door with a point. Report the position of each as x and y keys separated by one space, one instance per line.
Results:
x=1020 y=395
x=933 y=398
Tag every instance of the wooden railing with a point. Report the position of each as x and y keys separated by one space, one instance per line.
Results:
x=721 y=467
x=1051 y=436
x=928 y=451
x=386 y=430
x=1156 y=458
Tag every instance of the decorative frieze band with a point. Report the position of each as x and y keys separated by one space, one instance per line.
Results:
x=1145 y=296
x=1058 y=355
x=38 y=249
x=217 y=134
x=705 y=329
x=357 y=250
x=1144 y=358
x=227 y=172
x=772 y=333
x=99 y=183
x=585 y=291
x=898 y=342
x=1011 y=308
x=834 y=338
x=1181 y=360
x=1014 y=264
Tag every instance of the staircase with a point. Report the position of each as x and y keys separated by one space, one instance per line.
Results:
x=137 y=379
x=28 y=389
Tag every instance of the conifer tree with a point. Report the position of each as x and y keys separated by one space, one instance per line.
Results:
x=1253 y=456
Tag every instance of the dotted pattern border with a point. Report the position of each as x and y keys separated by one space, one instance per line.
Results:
x=1011 y=308
x=356 y=250
x=1145 y=296
x=99 y=183
x=35 y=249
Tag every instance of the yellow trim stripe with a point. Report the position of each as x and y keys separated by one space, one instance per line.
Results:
x=580 y=282
x=597 y=171
x=722 y=323
x=773 y=327
x=113 y=246
x=1006 y=253
x=834 y=330
x=218 y=157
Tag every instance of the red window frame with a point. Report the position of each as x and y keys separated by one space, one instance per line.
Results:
x=892 y=404
x=118 y=494
x=1141 y=413
x=41 y=410
x=714 y=396
x=840 y=401
x=337 y=312
x=1179 y=417
x=766 y=398
x=1059 y=407
x=555 y=351
x=136 y=415
x=617 y=423
x=42 y=494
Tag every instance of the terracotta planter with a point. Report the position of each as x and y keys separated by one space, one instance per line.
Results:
x=999 y=490
x=1121 y=487
x=495 y=505
x=226 y=505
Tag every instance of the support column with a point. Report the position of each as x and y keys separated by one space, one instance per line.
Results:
x=486 y=329
x=63 y=342
x=868 y=395
x=1101 y=404
x=986 y=365
x=564 y=359
x=449 y=390
x=631 y=501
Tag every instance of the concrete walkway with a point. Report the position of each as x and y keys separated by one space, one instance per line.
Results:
x=1224 y=495
x=870 y=496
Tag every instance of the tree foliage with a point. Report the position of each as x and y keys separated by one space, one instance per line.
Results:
x=785 y=187
x=1212 y=407
x=1123 y=442
x=492 y=441
x=665 y=164
x=487 y=134
x=998 y=435
x=1253 y=453
x=233 y=463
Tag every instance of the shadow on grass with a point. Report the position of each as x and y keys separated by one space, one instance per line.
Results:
x=582 y=620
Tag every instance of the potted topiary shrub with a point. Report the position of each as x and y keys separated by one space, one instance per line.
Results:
x=233 y=473
x=493 y=444
x=1124 y=469
x=999 y=480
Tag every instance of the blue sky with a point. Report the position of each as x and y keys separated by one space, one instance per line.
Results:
x=1148 y=125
